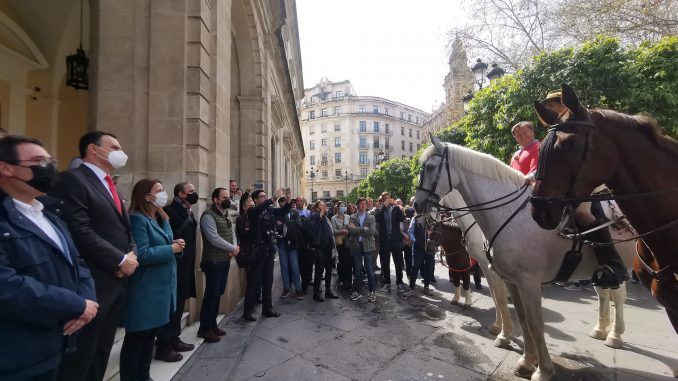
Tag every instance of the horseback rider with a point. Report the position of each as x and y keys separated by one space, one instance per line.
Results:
x=611 y=271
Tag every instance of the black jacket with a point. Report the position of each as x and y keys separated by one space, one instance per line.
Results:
x=321 y=231
x=292 y=232
x=101 y=234
x=397 y=216
x=184 y=226
x=262 y=219
x=420 y=234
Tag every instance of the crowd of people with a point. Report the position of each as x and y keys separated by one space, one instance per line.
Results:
x=77 y=260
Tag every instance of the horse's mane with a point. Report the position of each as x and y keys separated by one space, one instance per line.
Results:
x=479 y=163
x=642 y=123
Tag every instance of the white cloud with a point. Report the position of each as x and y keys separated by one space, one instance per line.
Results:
x=394 y=49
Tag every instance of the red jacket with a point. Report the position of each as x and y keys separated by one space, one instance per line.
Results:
x=525 y=159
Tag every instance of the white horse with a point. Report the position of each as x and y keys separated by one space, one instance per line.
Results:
x=524 y=264
x=475 y=242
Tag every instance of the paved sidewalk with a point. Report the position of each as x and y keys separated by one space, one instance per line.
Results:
x=427 y=338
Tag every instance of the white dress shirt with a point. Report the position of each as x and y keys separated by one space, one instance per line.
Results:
x=33 y=212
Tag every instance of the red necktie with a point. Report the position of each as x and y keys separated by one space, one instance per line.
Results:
x=111 y=187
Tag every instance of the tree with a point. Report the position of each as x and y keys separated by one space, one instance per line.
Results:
x=604 y=74
x=394 y=176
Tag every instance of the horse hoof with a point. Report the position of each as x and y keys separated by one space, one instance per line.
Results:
x=675 y=373
x=598 y=334
x=614 y=342
x=540 y=376
x=502 y=342
x=495 y=329
x=523 y=372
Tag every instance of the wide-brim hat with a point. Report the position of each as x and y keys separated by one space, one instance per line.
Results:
x=553 y=96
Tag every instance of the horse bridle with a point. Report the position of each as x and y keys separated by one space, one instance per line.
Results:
x=432 y=197
x=545 y=157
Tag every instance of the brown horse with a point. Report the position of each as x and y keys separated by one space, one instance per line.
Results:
x=587 y=148
x=459 y=263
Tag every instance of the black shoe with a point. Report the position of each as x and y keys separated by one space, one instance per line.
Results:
x=271 y=313
x=605 y=277
x=249 y=317
x=317 y=297
x=330 y=295
x=167 y=354
x=479 y=286
x=180 y=346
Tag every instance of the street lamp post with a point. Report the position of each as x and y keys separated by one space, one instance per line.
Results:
x=311 y=175
x=380 y=157
x=346 y=177
x=479 y=72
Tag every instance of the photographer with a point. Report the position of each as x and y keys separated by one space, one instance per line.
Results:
x=262 y=221
x=288 y=251
x=323 y=243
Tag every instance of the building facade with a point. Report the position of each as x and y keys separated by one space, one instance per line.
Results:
x=197 y=90
x=458 y=82
x=346 y=136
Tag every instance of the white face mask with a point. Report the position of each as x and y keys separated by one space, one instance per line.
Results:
x=118 y=159
x=160 y=198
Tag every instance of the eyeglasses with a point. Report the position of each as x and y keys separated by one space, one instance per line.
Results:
x=41 y=161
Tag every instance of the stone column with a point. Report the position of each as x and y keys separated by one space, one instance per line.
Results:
x=253 y=142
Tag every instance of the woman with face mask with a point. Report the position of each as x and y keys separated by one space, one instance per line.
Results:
x=151 y=290
x=339 y=228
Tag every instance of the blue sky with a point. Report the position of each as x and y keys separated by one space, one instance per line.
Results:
x=396 y=49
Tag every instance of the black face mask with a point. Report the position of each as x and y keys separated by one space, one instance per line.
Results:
x=44 y=178
x=192 y=198
x=226 y=204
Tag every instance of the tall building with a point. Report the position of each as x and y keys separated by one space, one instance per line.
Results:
x=458 y=81
x=197 y=90
x=346 y=136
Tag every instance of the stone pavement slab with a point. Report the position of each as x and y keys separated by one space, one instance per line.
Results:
x=426 y=338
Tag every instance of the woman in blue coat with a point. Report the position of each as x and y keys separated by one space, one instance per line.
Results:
x=151 y=289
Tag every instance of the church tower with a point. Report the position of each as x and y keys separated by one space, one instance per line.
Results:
x=458 y=81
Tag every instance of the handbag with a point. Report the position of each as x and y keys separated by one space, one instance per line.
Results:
x=246 y=257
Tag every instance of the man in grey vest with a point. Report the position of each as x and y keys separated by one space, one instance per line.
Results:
x=217 y=234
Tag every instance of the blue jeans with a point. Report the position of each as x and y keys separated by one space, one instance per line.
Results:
x=425 y=263
x=216 y=276
x=289 y=265
x=361 y=257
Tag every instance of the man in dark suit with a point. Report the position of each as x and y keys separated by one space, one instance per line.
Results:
x=98 y=221
x=389 y=216
x=46 y=291
x=184 y=226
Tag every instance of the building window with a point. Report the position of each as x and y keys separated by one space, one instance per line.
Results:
x=376 y=159
x=409 y=117
x=402 y=115
x=340 y=192
x=324 y=176
x=311 y=115
x=339 y=94
x=375 y=109
x=418 y=134
x=376 y=126
x=363 y=126
x=418 y=147
x=323 y=142
x=326 y=194
x=387 y=157
x=387 y=143
x=311 y=130
x=337 y=127
x=311 y=144
x=337 y=142
x=314 y=196
x=386 y=110
x=337 y=172
x=323 y=159
x=361 y=109
x=363 y=158
x=363 y=172
x=337 y=111
x=387 y=128
x=323 y=128
x=375 y=142
x=363 y=142
x=416 y=120
x=402 y=145
x=410 y=146
x=402 y=131
x=323 y=112
x=337 y=157
x=410 y=132
x=402 y=157
x=312 y=160
x=314 y=99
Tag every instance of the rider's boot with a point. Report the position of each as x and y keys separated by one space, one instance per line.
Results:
x=611 y=271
